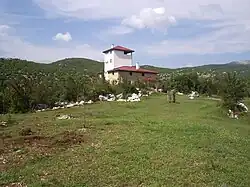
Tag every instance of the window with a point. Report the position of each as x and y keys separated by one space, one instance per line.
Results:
x=142 y=74
x=113 y=73
x=130 y=73
x=110 y=60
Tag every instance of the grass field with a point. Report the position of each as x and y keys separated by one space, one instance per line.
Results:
x=150 y=143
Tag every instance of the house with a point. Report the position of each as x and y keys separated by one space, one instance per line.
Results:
x=118 y=66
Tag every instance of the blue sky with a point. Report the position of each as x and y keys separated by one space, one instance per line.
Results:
x=162 y=32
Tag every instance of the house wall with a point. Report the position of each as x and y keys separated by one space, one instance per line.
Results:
x=122 y=75
x=136 y=76
x=121 y=59
x=115 y=59
x=108 y=61
x=112 y=77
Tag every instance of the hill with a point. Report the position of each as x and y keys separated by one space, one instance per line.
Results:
x=14 y=67
x=79 y=64
x=242 y=67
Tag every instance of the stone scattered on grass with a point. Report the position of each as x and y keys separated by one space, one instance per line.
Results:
x=62 y=117
x=134 y=98
x=3 y=123
x=109 y=97
x=90 y=102
x=243 y=107
x=179 y=93
x=18 y=184
x=232 y=115
x=193 y=95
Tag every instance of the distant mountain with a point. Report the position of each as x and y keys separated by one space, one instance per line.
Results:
x=13 y=67
x=243 y=67
x=244 y=62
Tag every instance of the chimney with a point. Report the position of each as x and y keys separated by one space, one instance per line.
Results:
x=112 y=45
x=137 y=65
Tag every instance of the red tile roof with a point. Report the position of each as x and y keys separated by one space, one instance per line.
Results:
x=119 y=48
x=133 y=69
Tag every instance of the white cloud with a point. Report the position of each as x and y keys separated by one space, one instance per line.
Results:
x=99 y=9
x=63 y=37
x=95 y=9
x=14 y=47
x=4 y=29
x=152 y=18
x=230 y=39
x=119 y=30
x=144 y=14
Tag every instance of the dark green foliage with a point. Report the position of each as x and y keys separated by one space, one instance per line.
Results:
x=127 y=88
x=233 y=90
x=26 y=86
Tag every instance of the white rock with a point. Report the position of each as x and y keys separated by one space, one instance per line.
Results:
x=81 y=103
x=64 y=117
x=111 y=99
x=70 y=105
x=56 y=108
x=90 y=102
x=121 y=100
x=243 y=106
x=3 y=123
x=134 y=98
x=102 y=98
x=119 y=96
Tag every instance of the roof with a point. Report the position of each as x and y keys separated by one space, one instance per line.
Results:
x=119 y=48
x=133 y=69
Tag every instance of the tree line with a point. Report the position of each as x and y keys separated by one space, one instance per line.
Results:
x=23 y=89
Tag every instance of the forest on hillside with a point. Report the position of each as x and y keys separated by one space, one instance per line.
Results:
x=25 y=85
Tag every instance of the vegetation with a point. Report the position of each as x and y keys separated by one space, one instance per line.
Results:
x=150 y=143
x=25 y=85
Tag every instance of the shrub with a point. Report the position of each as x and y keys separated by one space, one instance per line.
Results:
x=233 y=90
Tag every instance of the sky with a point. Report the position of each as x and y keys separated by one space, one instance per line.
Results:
x=163 y=33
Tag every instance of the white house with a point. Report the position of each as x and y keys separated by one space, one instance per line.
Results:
x=118 y=64
x=117 y=56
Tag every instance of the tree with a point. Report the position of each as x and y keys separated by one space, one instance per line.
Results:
x=233 y=90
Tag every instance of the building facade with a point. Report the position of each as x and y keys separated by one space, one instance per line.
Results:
x=118 y=66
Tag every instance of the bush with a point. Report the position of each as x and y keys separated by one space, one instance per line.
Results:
x=233 y=90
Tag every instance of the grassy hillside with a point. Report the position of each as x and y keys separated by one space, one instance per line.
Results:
x=79 y=64
x=159 y=69
x=154 y=143
x=12 y=67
